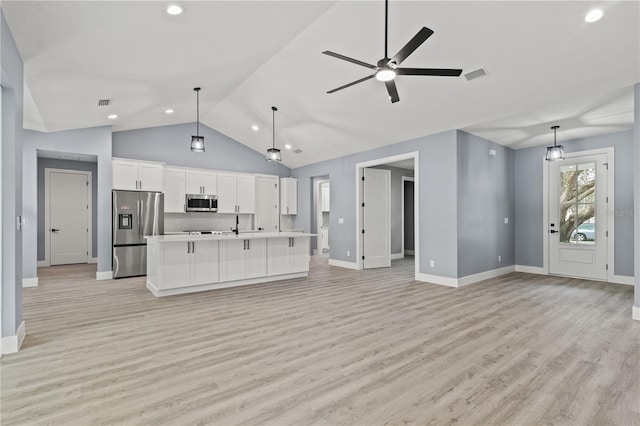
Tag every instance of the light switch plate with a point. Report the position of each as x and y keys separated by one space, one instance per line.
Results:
x=506 y=220
x=340 y=220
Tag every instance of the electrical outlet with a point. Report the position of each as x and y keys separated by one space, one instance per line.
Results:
x=499 y=258
x=340 y=220
x=432 y=264
x=506 y=220
x=348 y=253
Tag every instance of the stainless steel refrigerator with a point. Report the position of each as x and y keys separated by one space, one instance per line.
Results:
x=135 y=215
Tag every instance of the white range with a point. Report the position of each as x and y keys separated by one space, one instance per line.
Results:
x=185 y=263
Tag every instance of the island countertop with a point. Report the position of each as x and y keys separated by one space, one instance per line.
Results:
x=229 y=236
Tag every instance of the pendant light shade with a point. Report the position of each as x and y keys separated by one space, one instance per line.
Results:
x=197 y=142
x=273 y=153
x=555 y=152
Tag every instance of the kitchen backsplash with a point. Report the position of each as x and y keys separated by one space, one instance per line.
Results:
x=206 y=222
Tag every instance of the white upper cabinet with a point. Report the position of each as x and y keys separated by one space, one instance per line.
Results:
x=201 y=182
x=138 y=175
x=174 y=190
x=288 y=196
x=325 y=198
x=236 y=193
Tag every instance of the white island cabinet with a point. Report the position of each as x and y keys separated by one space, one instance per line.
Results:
x=188 y=263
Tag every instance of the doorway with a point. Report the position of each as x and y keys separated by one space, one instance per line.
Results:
x=580 y=230
x=408 y=240
x=68 y=224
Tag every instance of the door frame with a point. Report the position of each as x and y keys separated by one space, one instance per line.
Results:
x=610 y=209
x=47 y=207
x=415 y=156
x=407 y=179
x=318 y=184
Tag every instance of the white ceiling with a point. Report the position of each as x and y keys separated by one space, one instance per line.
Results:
x=545 y=66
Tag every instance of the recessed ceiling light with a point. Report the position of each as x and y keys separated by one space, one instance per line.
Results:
x=287 y=146
x=594 y=15
x=112 y=116
x=168 y=111
x=174 y=9
x=255 y=128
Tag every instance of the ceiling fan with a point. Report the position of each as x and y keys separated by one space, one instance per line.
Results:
x=387 y=69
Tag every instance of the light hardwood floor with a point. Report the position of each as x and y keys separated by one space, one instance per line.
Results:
x=340 y=347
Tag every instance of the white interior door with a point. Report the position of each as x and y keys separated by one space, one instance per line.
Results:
x=68 y=207
x=376 y=218
x=267 y=203
x=577 y=217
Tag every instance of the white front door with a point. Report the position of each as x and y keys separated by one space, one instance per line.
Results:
x=68 y=207
x=376 y=237
x=578 y=217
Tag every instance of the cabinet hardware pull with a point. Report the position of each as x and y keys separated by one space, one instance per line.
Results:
x=293 y=242
x=193 y=246
x=248 y=244
x=188 y=247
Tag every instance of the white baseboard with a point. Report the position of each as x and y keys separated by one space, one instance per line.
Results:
x=466 y=280
x=409 y=252
x=621 y=279
x=531 y=269
x=29 y=282
x=93 y=260
x=11 y=344
x=104 y=275
x=395 y=256
x=343 y=264
x=635 y=313
x=43 y=263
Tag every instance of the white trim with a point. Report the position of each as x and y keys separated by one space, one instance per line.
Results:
x=395 y=256
x=318 y=204
x=621 y=279
x=93 y=260
x=415 y=155
x=531 y=270
x=408 y=252
x=635 y=313
x=104 y=275
x=29 y=282
x=466 y=280
x=343 y=264
x=47 y=206
x=12 y=344
x=610 y=211
x=404 y=179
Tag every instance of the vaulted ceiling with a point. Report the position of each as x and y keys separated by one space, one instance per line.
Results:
x=545 y=65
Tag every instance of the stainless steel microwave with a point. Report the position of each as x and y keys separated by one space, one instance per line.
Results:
x=202 y=203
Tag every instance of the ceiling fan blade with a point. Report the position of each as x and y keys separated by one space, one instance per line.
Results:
x=393 y=91
x=412 y=45
x=442 y=72
x=352 y=83
x=348 y=59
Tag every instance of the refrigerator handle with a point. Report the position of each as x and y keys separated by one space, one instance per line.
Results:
x=140 y=218
x=188 y=247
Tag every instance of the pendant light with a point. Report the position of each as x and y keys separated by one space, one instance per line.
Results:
x=197 y=142
x=273 y=153
x=555 y=152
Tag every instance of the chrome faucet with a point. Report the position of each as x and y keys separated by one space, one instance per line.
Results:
x=236 y=230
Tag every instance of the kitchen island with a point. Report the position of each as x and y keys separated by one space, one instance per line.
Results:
x=178 y=264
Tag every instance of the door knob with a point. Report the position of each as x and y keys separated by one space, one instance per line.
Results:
x=553 y=231
x=54 y=230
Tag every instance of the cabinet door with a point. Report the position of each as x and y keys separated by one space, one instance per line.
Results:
x=210 y=183
x=267 y=196
x=300 y=254
x=256 y=259
x=232 y=255
x=194 y=182
x=246 y=194
x=204 y=262
x=177 y=264
x=125 y=175
x=226 y=193
x=278 y=256
x=292 y=196
x=174 y=194
x=151 y=177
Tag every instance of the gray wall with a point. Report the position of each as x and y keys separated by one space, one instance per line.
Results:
x=529 y=191
x=636 y=191
x=50 y=163
x=95 y=141
x=408 y=215
x=395 y=195
x=170 y=144
x=11 y=79
x=438 y=200
x=485 y=198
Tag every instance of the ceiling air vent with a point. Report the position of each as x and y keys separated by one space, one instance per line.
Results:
x=480 y=72
x=297 y=151
x=104 y=102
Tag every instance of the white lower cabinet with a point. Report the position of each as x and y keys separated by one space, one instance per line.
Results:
x=243 y=259
x=288 y=255
x=189 y=263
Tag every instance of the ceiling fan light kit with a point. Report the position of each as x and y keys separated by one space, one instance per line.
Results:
x=273 y=153
x=555 y=152
x=197 y=142
x=387 y=69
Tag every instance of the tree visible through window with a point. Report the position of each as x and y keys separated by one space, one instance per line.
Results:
x=578 y=203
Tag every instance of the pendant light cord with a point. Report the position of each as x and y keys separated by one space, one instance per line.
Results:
x=198 y=113
x=274 y=109
x=386 y=25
